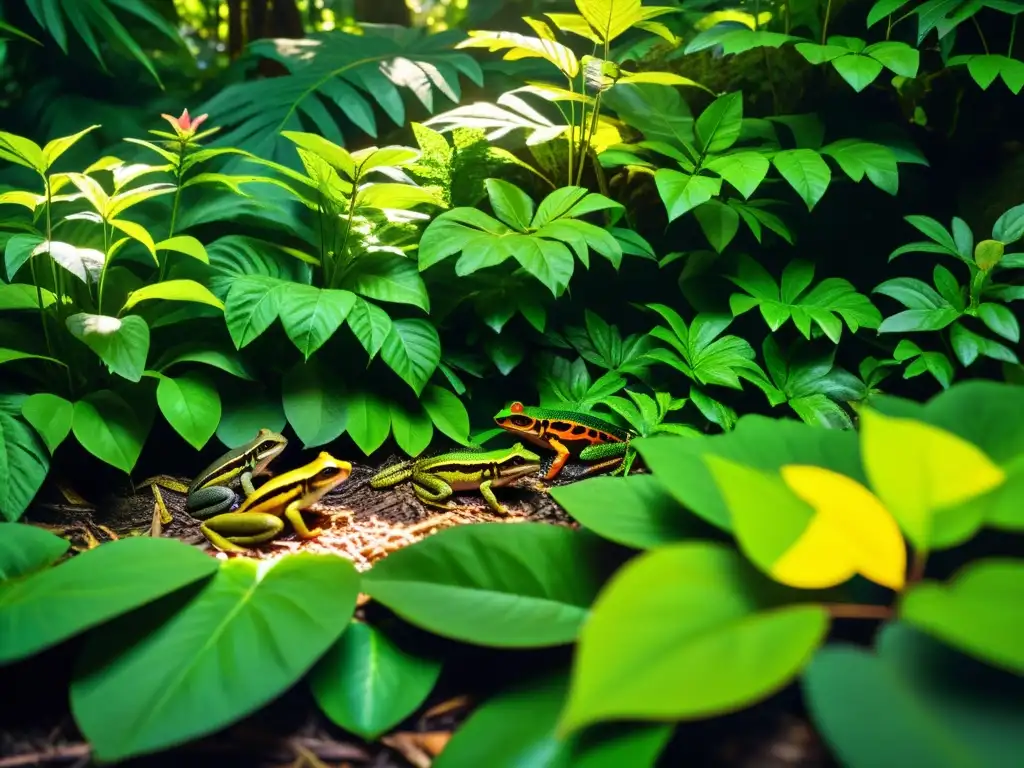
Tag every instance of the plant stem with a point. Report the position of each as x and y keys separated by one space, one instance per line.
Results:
x=853 y=611
x=585 y=147
x=103 y=270
x=917 y=566
x=824 y=27
x=1013 y=37
x=977 y=26
x=178 y=178
x=572 y=126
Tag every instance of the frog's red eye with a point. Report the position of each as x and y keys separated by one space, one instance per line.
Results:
x=516 y=408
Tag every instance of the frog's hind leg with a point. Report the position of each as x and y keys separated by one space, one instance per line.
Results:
x=241 y=530
x=492 y=501
x=294 y=515
x=562 y=455
x=433 y=491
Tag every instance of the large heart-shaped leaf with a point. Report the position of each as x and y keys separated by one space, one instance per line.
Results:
x=109 y=429
x=367 y=684
x=687 y=631
x=191 y=405
x=46 y=607
x=27 y=548
x=51 y=417
x=311 y=315
x=511 y=586
x=23 y=465
x=121 y=343
x=315 y=403
x=274 y=617
x=412 y=349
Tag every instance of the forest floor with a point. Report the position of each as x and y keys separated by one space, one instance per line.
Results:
x=362 y=524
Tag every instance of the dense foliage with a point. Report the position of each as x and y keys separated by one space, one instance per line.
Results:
x=328 y=236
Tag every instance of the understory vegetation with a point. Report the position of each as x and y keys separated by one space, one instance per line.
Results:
x=779 y=244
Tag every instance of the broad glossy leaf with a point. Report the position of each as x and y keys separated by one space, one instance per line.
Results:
x=687 y=631
x=277 y=617
x=24 y=296
x=185 y=244
x=247 y=409
x=447 y=412
x=719 y=222
x=122 y=343
x=84 y=263
x=809 y=527
x=1009 y=228
x=913 y=702
x=511 y=204
x=50 y=415
x=23 y=463
x=174 y=290
x=516 y=729
x=191 y=405
x=412 y=429
x=369 y=420
x=756 y=441
x=682 y=192
x=18 y=250
x=743 y=170
x=718 y=126
x=49 y=606
x=527 y=585
x=27 y=548
x=610 y=18
x=548 y=261
x=109 y=429
x=314 y=400
x=252 y=305
x=1000 y=320
x=859 y=71
x=897 y=57
x=980 y=611
x=388 y=277
x=635 y=511
x=924 y=474
x=806 y=172
x=311 y=315
x=367 y=684
x=370 y=324
x=412 y=349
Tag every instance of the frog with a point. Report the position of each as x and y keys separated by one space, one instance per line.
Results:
x=598 y=443
x=260 y=517
x=210 y=493
x=436 y=478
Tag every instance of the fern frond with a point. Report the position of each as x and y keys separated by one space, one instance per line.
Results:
x=337 y=72
x=95 y=18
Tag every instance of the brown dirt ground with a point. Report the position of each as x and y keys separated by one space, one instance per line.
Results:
x=364 y=525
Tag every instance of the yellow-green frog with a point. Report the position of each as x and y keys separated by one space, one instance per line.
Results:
x=259 y=518
x=210 y=493
x=436 y=478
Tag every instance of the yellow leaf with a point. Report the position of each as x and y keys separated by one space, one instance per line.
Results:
x=919 y=470
x=852 y=532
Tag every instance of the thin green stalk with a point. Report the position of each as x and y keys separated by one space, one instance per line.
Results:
x=977 y=27
x=178 y=178
x=106 y=262
x=572 y=127
x=1013 y=37
x=824 y=27
x=585 y=150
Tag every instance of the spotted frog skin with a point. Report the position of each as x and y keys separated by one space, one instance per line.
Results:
x=570 y=434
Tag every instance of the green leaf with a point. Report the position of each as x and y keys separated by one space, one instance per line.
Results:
x=185 y=244
x=634 y=511
x=687 y=631
x=24 y=296
x=719 y=222
x=718 y=126
x=311 y=315
x=743 y=170
x=27 y=548
x=859 y=158
x=980 y=611
x=247 y=409
x=367 y=684
x=681 y=192
x=19 y=249
x=24 y=152
x=447 y=412
x=204 y=353
x=121 y=343
x=934 y=230
x=314 y=401
x=191 y=405
x=412 y=429
x=252 y=305
x=806 y=172
x=174 y=290
x=1009 y=228
x=759 y=442
x=510 y=203
x=1000 y=320
x=859 y=71
x=23 y=463
x=108 y=428
x=369 y=420
x=278 y=618
x=50 y=416
x=610 y=18
x=507 y=586
x=388 y=277
x=517 y=728
x=914 y=702
x=412 y=350
x=49 y=606
x=370 y=324
x=884 y=8
x=897 y=57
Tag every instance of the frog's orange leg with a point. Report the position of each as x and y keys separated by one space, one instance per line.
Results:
x=560 y=459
